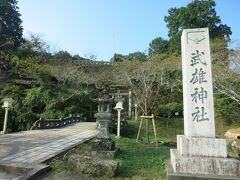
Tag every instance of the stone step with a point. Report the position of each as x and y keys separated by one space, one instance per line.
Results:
x=204 y=165
x=208 y=147
x=4 y=175
x=21 y=171
x=171 y=175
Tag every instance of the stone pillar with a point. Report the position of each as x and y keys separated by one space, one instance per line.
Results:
x=130 y=103
x=199 y=153
x=119 y=122
x=90 y=111
x=5 y=120
x=136 y=111
x=101 y=107
x=108 y=108
x=197 y=84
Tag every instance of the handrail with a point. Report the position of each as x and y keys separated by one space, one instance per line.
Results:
x=56 y=123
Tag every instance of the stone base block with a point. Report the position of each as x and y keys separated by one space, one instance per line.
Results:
x=93 y=166
x=105 y=154
x=209 y=147
x=204 y=165
x=103 y=145
x=171 y=175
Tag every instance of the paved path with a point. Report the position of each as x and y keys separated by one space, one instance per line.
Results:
x=37 y=146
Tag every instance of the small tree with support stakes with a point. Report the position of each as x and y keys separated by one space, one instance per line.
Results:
x=146 y=118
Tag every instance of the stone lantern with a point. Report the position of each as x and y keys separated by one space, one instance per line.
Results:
x=7 y=104
x=104 y=143
x=119 y=108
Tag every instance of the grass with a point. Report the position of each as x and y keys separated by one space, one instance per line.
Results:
x=141 y=160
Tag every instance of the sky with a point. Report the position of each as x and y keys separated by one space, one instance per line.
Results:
x=105 y=27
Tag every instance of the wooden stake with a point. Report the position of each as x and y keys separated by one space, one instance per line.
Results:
x=154 y=130
x=139 y=129
x=147 y=125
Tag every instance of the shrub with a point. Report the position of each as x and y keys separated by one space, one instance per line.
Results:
x=169 y=109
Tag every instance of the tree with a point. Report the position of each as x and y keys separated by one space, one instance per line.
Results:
x=226 y=82
x=62 y=57
x=197 y=14
x=10 y=34
x=145 y=79
x=227 y=79
x=137 y=56
x=118 y=58
x=36 y=44
x=64 y=74
x=10 y=26
x=5 y=68
x=158 y=46
x=76 y=57
x=35 y=48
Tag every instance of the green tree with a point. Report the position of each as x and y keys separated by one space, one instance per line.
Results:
x=10 y=26
x=76 y=57
x=35 y=48
x=137 y=56
x=62 y=57
x=118 y=58
x=197 y=14
x=36 y=44
x=158 y=46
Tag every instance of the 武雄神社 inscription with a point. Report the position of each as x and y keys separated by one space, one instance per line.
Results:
x=197 y=84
